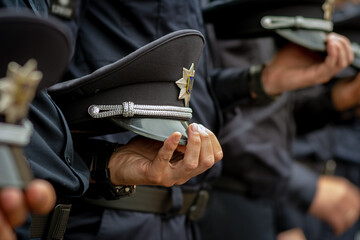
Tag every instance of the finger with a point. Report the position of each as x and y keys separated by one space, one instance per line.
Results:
x=351 y=217
x=158 y=171
x=337 y=220
x=40 y=196
x=218 y=153
x=342 y=221
x=341 y=56
x=332 y=51
x=347 y=211
x=351 y=54
x=342 y=60
x=206 y=158
x=352 y=211
x=6 y=231
x=347 y=48
x=338 y=227
x=13 y=205
x=193 y=147
x=345 y=51
x=166 y=151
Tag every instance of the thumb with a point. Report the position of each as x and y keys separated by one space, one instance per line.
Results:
x=41 y=196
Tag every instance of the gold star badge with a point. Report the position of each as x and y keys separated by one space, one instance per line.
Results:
x=17 y=89
x=186 y=84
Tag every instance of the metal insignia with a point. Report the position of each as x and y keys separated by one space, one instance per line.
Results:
x=328 y=8
x=17 y=89
x=186 y=84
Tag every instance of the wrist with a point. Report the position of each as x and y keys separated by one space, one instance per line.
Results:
x=100 y=176
x=268 y=82
x=116 y=164
x=259 y=84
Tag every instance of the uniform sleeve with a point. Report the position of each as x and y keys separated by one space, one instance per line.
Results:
x=255 y=143
x=314 y=111
x=302 y=186
x=51 y=154
x=230 y=85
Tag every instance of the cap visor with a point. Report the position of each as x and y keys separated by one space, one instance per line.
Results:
x=313 y=40
x=356 y=62
x=10 y=175
x=154 y=128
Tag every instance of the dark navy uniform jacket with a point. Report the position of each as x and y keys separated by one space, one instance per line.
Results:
x=50 y=152
x=117 y=28
x=112 y=29
x=129 y=25
x=338 y=141
x=256 y=139
x=109 y=31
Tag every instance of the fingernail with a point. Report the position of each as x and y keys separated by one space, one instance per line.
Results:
x=195 y=128
x=202 y=129
x=177 y=139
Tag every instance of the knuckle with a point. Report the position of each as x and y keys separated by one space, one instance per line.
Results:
x=208 y=162
x=156 y=179
x=344 y=63
x=219 y=155
x=191 y=166
x=196 y=141
x=211 y=134
x=163 y=156
x=205 y=136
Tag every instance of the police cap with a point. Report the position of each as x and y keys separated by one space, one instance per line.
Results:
x=147 y=91
x=26 y=36
x=347 y=22
x=300 y=21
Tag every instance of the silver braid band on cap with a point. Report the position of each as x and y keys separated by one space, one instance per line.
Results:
x=129 y=109
x=299 y=22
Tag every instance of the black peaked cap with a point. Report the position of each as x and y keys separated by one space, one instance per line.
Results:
x=25 y=36
x=145 y=77
x=347 y=22
x=243 y=19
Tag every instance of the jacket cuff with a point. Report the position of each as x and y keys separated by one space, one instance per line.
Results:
x=302 y=186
